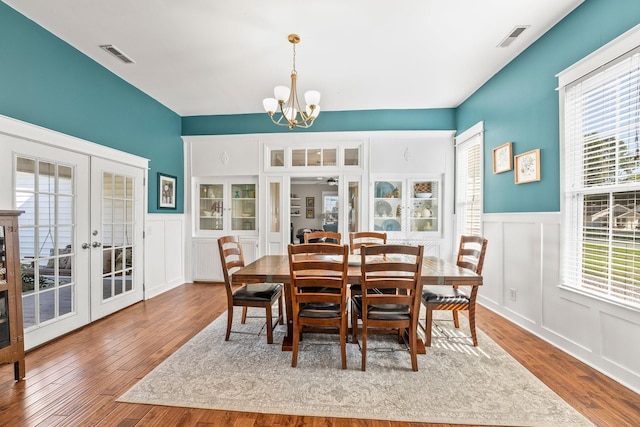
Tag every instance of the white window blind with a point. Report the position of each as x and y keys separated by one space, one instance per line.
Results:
x=601 y=159
x=469 y=186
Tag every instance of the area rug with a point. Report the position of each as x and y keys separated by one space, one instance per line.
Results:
x=456 y=383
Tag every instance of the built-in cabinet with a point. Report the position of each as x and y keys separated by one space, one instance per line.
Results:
x=407 y=208
x=227 y=205
x=11 y=330
x=223 y=206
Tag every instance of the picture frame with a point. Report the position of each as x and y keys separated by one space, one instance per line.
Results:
x=310 y=202
x=167 y=191
x=502 y=158
x=310 y=213
x=527 y=167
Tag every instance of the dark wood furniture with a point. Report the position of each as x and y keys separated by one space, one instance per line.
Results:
x=471 y=257
x=391 y=293
x=252 y=293
x=11 y=329
x=323 y=237
x=275 y=268
x=319 y=291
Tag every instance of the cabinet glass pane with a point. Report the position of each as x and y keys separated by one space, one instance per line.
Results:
x=388 y=206
x=243 y=207
x=424 y=206
x=211 y=206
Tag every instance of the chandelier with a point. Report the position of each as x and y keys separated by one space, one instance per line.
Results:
x=285 y=109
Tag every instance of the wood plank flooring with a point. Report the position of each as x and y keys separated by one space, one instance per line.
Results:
x=75 y=380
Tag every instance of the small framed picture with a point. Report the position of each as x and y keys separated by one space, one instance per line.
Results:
x=527 y=167
x=310 y=202
x=310 y=213
x=502 y=158
x=166 y=191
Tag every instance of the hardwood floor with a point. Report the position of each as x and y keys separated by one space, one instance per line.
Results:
x=75 y=380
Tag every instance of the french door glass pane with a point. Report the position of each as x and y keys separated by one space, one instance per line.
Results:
x=45 y=191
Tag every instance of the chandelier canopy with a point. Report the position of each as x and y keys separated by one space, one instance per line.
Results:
x=285 y=109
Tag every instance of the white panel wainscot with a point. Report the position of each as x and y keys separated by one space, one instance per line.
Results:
x=524 y=254
x=164 y=253
x=618 y=347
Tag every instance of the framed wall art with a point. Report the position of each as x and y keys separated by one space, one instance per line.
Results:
x=502 y=158
x=310 y=202
x=166 y=191
x=527 y=167
x=310 y=213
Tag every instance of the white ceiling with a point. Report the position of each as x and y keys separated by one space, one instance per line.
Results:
x=202 y=57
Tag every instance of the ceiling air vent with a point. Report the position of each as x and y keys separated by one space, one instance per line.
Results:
x=117 y=53
x=513 y=35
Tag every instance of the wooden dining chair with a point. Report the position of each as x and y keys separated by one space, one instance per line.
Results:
x=391 y=290
x=249 y=294
x=319 y=274
x=360 y=238
x=471 y=256
x=323 y=237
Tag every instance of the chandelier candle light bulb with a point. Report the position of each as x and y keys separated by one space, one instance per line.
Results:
x=284 y=109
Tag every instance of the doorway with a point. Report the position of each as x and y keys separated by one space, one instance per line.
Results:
x=74 y=204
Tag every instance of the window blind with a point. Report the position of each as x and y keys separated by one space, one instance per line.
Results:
x=601 y=159
x=469 y=186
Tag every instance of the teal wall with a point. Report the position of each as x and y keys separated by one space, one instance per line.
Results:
x=520 y=103
x=328 y=121
x=46 y=82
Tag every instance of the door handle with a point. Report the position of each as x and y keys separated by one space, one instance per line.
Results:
x=85 y=246
x=96 y=244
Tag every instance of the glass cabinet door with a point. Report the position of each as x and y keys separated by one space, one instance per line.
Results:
x=388 y=206
x=211 y=206
x=243 y=207
x=424 y=209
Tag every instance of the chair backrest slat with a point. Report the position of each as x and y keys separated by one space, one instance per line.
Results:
x=366 y=238
x=471 y=253
x=330 y=237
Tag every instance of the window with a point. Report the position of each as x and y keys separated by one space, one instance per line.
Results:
x=469 y=182
x=601 y=171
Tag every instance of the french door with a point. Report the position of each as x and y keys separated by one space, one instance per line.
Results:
x=116 y=236
x=80 y=236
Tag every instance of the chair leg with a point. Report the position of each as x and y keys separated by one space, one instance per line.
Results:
x=428 y=325
x=280 y=311
x=456 y=322
x=244 y=315
x=344 y=331
x=229 y=322
x=354 y=325
x=296 y=343
x=364 y=346
x=413 y=343
x=472 y=324
x=269 y=324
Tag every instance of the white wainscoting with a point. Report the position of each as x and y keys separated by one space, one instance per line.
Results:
x=164 y=253
x=523 y=257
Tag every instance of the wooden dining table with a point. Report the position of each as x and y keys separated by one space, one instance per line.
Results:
x=275 y=269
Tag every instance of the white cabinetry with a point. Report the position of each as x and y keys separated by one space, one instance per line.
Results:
x=407 y=208
x=223 y=207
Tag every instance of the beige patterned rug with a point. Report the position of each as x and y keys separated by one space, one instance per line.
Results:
x=457 y=383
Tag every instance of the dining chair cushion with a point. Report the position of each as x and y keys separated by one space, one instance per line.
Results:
x=320 y=310
x=444 y=294
x=383 y=311
x=257 y=292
